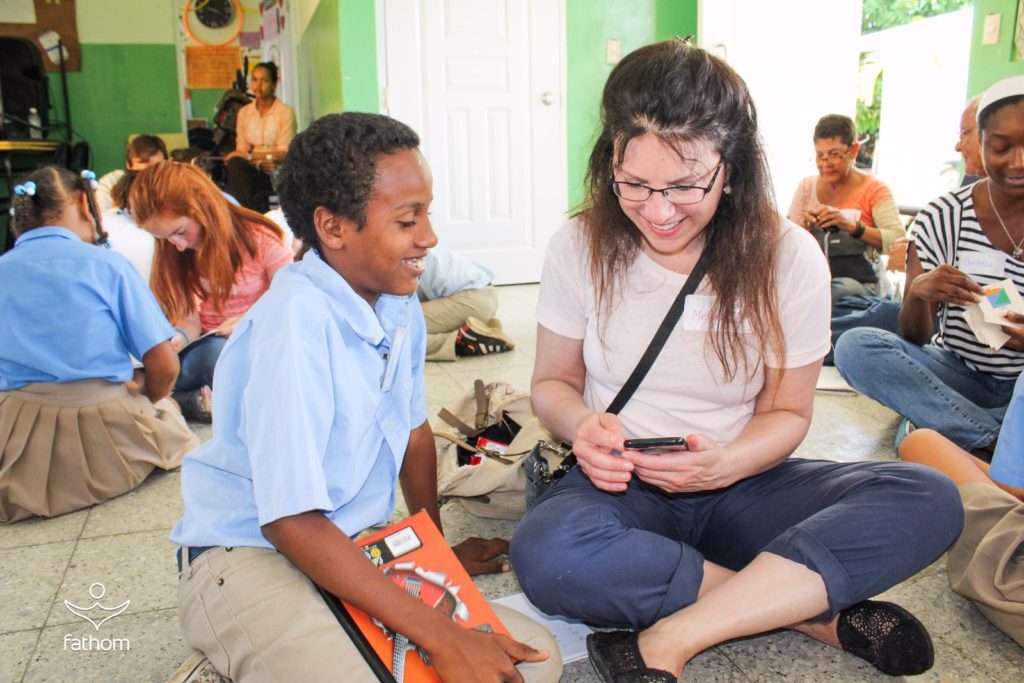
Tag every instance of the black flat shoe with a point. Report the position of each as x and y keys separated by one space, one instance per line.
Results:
x=888 y=636
x=194 y=406
x=616 y=658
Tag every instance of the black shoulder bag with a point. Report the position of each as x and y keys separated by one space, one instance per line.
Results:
x=540 y=474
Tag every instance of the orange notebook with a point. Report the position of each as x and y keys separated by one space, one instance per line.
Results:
x=414 y=555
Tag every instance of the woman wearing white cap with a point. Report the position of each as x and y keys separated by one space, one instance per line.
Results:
x=963 y=243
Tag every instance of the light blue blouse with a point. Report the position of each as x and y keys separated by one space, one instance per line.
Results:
x=447 y=272
x=71 y=311
x=1008 y=460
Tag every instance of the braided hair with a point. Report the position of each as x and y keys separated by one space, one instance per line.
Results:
x=39 y=199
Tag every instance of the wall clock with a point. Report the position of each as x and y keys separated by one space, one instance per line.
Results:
x=214 y=23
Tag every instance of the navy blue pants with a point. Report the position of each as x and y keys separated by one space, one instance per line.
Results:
x=633 y=558
x=198 y=362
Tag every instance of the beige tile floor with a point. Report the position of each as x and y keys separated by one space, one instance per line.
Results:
x=123 y=545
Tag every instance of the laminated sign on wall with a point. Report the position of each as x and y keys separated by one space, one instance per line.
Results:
x=212 y=67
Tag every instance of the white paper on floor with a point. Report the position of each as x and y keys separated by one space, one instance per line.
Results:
x=831 y=382
x=571 y=636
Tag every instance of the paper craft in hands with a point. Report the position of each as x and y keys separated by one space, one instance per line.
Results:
x=998 y=299
x=986 y=317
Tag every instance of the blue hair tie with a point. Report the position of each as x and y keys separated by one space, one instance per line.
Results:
x=91 y=178
x=26 y=188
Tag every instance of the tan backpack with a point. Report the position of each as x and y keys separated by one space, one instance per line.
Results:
x=479 y=459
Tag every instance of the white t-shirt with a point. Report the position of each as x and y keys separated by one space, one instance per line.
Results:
x=104 y=186
x=685 y=391
x=277 y=215
x=129 y=240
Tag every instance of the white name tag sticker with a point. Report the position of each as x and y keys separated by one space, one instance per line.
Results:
x=991 y=263
x=402 y=542
x=697 y=314
x=699 y=311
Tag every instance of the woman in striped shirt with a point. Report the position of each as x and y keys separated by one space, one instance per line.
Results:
x=946 y=378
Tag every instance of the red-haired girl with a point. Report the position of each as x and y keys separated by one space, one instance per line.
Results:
x=213 y=261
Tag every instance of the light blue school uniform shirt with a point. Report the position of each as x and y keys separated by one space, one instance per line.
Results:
x=1008 y=459
x=446 y=272
x=71 y=311
x=316 y=396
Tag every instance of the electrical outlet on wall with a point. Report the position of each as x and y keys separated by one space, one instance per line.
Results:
x=613 y=51
x=990 y=34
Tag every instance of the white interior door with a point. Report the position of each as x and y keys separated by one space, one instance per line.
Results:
x=483 y=85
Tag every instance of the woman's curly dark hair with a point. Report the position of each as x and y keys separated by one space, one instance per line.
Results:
x=333 y=164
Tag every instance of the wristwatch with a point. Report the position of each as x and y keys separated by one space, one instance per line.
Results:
x=859 y=231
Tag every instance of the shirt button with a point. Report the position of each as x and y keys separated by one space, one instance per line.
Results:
x=390 y=425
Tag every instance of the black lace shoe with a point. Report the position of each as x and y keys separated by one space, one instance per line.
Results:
x=615 y=656
x=888 y=636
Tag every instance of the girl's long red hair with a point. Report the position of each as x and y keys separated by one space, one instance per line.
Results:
x=208 y=270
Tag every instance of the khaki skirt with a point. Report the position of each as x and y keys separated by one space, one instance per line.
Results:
x=66 y=446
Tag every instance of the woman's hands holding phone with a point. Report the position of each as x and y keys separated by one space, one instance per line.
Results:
x=704 y=467
x=597 y=444
x=601 y=450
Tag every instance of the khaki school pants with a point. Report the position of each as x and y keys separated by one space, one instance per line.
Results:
x=256 y=617
x=445 y=315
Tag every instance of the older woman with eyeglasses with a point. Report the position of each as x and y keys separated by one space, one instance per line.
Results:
x=851 y=214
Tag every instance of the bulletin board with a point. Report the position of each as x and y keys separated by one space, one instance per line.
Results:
x=211 y=67
x=45 y=22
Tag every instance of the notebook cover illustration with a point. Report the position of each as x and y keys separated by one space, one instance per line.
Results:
x=415 y=556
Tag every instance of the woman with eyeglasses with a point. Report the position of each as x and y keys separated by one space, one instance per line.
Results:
x=730 y=537
x=852 y=215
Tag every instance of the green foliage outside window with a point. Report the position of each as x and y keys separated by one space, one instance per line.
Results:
x=882 y=14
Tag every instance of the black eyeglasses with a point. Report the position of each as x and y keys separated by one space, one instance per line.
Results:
x=677 y=194
x=835 y=155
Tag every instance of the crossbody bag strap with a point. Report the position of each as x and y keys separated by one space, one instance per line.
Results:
x=660 y=337
x=675 y=312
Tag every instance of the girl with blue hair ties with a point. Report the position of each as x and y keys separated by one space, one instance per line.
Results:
x=75 y=429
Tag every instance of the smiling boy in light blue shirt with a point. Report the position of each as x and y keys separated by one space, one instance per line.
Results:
x=320 y=407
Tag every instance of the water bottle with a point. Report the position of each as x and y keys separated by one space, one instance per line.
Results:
x=35 y=124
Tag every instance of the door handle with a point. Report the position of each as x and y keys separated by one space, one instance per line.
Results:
x=547 y=98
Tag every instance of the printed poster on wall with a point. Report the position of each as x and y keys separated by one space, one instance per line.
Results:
x=212 y=67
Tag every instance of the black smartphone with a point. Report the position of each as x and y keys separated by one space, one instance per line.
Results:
x=657 y=445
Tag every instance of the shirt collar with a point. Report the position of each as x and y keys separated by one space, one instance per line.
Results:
x=371 y=324
x=48 y=231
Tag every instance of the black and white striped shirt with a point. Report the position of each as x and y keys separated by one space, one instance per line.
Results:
x=946 y=231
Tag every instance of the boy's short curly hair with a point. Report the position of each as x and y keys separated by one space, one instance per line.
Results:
x=333 y=164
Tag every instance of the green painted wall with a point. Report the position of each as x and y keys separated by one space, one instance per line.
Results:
x=121 y=89
x=204 y=102
x=590 y=24
x=319 y=63
x=991 y=63
x=359 y=56
x=675 y=18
